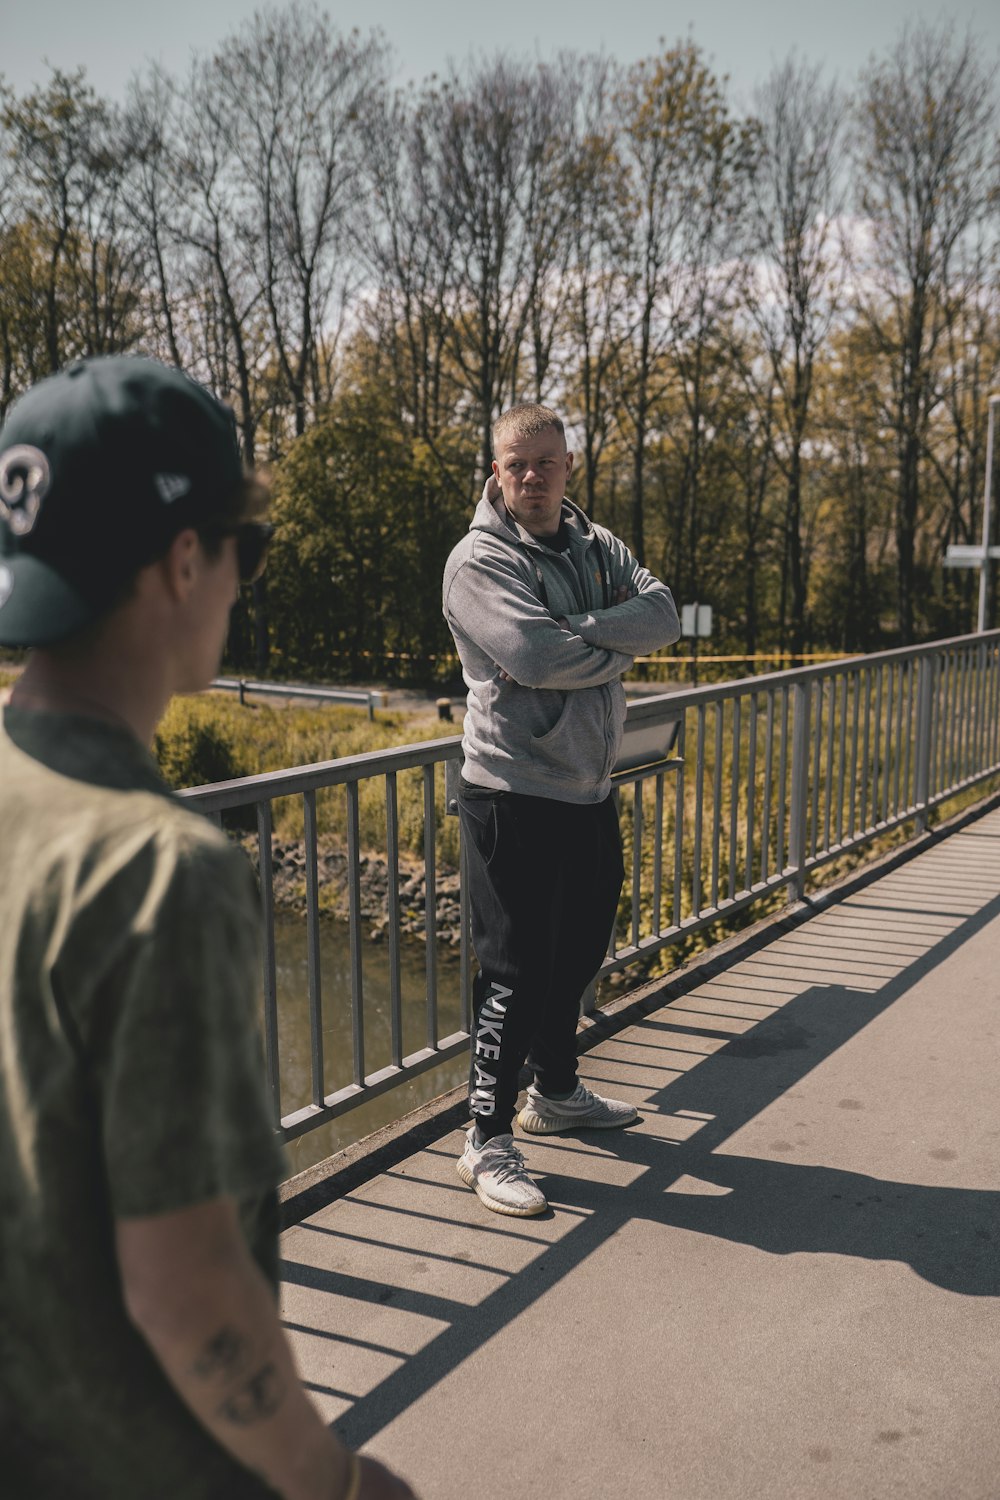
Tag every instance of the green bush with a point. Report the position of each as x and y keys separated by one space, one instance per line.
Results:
x=192 y=748
x=215 y=738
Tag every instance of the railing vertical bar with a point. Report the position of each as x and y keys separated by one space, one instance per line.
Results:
x=967 y=713
x=799 y=811
x=828 y=788
x=876 y=766
x=956 y=758
x=817 y=694
x=961 y=690
x=716 y=801
x=781 y=851
x=271 y=1057
x=854 y=821
x=994 y=717
x=970 y=713
x=699 y=812
x=679 y=801
x=765 y=816
x=935 y=722
x=354 y=908
x=887 y=757
x=751 y=788
x=841 y=756
x=898 y=741
x=947 y=722
x=962 y=667
x=430 y=906
x=734 y=793
x=910 y=731
x=657 y=915
x=865 y=747
x=637 y=831
x=926 y=689
x=953 y=712
x=313 y=965
x=395 y=936
x=980 y=737
x=940 y=723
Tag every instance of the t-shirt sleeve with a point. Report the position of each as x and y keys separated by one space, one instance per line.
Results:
x=171 y=1035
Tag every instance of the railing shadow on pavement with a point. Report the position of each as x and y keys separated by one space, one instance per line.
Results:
x=443 y=1277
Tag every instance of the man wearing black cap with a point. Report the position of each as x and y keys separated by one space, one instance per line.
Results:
x=141 y=1354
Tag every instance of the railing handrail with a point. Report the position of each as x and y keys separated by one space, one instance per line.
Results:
x=217 y=796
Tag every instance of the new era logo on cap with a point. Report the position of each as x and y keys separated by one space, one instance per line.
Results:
x=25 y=477
x=171 y=487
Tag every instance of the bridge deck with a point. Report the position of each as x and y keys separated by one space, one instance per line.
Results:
x=783 y=1282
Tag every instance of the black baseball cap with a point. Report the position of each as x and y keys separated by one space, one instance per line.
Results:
x=101 y=465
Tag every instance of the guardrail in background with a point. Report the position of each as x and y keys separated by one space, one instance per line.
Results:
x=772 y=777
x=358 y=697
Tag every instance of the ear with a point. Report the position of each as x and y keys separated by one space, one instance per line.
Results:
x=496 y=471
x=569 y=464
x=182 y=563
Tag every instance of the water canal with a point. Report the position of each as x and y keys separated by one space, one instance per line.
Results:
x=335 y=973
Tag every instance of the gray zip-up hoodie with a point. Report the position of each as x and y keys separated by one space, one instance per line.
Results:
x=553 y=726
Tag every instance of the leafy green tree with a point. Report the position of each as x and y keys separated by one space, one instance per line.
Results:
x=364 y=526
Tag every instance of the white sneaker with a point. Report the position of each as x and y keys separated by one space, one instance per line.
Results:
x=496 y=1171
x=581 y=1111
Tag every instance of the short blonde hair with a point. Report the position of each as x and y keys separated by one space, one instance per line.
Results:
x=525 y=421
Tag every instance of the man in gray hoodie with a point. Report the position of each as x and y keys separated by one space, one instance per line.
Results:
x=548 y=611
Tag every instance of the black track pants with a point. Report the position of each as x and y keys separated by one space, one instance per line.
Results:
x=544 y=881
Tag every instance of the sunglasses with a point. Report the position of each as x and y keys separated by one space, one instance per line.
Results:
x=253 y=542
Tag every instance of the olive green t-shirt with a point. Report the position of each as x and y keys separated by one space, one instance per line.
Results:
x=130 y=1084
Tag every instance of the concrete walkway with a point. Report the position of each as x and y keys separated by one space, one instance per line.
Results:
x=784 y=1282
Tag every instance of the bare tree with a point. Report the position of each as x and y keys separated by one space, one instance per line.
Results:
x=598 y=279
x=925 y=151
x=794 y=283
x=409 y=250
x=488 y=144
x=669 y=107
x=291 y=95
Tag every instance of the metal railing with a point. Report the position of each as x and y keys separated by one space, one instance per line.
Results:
x=768 y=778
x=356 y=697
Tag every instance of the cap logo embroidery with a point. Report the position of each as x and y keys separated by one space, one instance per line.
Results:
x=6 y=584
x=171 y=487
x=25 y=478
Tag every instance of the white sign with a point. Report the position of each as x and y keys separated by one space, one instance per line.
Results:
x=696 y=619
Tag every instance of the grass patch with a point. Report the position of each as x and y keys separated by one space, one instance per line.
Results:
x=214 y=738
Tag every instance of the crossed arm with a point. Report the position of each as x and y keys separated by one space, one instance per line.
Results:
x=492 y=604
x=195 y=1293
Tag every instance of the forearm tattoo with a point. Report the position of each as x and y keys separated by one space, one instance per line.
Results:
x=224 y=1356
x=225 y=1360
x=256 y=1400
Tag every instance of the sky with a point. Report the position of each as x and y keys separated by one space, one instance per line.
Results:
x=113 y=39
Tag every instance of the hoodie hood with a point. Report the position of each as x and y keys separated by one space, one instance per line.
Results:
x=494 y=517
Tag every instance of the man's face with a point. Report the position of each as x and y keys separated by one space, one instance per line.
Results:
x=532 y=473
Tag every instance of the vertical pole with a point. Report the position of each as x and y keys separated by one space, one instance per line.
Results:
x=802 y=696
x=984 y=576
x=922 y=774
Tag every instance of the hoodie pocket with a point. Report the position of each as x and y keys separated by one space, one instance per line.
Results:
x=555 y=744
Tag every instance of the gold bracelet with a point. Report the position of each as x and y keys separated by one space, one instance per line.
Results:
x=353 y=1489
